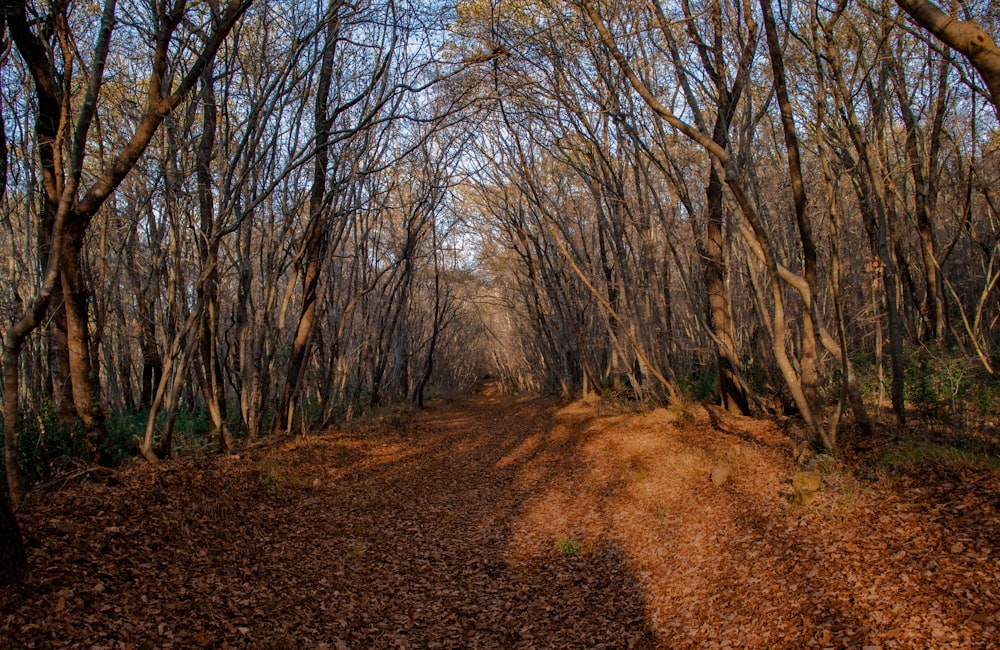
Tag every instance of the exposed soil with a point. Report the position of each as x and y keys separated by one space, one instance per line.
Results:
x=512 y=523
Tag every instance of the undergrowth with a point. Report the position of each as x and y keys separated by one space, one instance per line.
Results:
x=913 y=457
x=49 y=448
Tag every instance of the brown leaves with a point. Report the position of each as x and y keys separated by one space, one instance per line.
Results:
x=447 y=534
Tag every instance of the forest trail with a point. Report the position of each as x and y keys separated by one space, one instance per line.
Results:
x=497 y=522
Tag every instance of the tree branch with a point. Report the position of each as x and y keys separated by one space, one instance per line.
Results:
x=964 y=36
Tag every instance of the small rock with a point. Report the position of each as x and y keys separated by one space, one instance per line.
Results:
x=802 y=497
x=721 y=473
x=803 y=452
x=806 y=481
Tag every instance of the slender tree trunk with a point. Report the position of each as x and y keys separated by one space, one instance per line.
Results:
x=168 y=392
x=62 y=172
x=317 y=233
x=16 y=484
x=13 y=560
x=58 y=367
x=435 y=323
x=714 y=269
x=870 y=189
x=152 y=362
x=932 y=306
x=809 y=358
x=211 y=377
x=247 y=349
x=848 y=376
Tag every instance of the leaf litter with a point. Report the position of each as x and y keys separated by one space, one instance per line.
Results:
x=498 y=522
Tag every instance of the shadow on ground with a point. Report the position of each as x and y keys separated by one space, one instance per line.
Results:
x=509 y=523
x=390 y=535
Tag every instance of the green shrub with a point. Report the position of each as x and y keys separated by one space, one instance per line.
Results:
x=191 y=429
x=984 y=396
x=124 y=428
x=698 y=384
x=47 y=447
x=941 y=382
x=866 y=372
x=570 y=546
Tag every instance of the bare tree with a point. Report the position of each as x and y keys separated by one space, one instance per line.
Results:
x=58 y=122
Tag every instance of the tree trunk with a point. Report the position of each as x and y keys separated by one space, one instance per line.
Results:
x=62 y=176
x=211 y=377
x=13 y=560
x=152 y=362
x=924 y=191
x=848 y=376
x=58 y=370
x=714 y=270
x=435 y=323
x=809 y=357
x=869 y=187
x=85 y=394
x=966 y=37
x=317 y=232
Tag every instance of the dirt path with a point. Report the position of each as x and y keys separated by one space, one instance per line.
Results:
x=496 y=523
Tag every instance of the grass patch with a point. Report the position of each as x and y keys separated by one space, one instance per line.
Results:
x=927 y=454
x=570 y=546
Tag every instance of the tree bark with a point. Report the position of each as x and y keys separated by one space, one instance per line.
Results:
x=435 y=326
x=152 y=362
x=317 y=230
x=62 y=174
x=924 y=190
x=714 y=270
x=809 y=358
x=966 y=37
x=58 y=370
x=13 y=559
x=76 y=296
x=869 y=186
x=210 y=377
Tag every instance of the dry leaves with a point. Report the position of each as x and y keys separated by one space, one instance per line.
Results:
x=497 y=523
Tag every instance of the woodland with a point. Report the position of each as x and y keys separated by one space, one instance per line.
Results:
x=229 y=224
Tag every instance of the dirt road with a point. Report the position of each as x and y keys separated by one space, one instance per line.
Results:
x=510 y=523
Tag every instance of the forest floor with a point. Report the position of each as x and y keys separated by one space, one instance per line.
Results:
x=497 y=522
